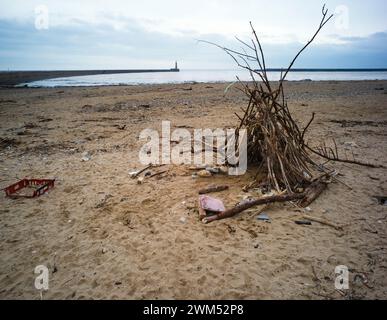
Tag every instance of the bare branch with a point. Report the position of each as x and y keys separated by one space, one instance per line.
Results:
x=323 y=22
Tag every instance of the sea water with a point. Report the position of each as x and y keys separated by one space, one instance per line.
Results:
x=190 y=76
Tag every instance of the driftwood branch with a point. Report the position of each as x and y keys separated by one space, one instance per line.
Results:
x=310 y=194
x=307 y=126
x=313 y=192
x=323 y=221
x=158 y=173
x=324 y=20
x=333 y=156
x=141 y=171
x=240 y=208
x=212 y=189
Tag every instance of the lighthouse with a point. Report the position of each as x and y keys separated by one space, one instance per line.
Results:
x=176 y=69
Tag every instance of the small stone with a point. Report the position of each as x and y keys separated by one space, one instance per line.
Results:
x=204 y=174
x=183 y=219
x=86 y=156
x=309 y=209
x=213 y=170
x=350 y=144
x=263 y=217
x=223 y=170
x=140 y=180
x=303 y=222
x=104 y=250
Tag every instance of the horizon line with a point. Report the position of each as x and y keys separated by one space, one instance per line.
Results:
x=205 y=69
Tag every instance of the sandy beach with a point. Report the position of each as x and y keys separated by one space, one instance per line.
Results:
x=104 y=236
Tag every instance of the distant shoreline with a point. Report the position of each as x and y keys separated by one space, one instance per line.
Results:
x=12 y=78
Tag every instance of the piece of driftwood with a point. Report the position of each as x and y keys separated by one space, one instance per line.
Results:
x=232 y=212
x=197 y=168
x=141 y=171
x=157 y=173
x=313 y=192
x=323 y=221
x=211 y=189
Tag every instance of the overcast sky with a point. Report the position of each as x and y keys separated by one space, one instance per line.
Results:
x=92 y=34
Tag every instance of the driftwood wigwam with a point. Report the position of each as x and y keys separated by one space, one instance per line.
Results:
x=276 y=145
x=275 y=141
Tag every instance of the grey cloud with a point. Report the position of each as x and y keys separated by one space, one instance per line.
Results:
x=85 y=45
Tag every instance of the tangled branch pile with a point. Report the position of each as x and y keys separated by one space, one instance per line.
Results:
x=274 y=138
x=275 y=141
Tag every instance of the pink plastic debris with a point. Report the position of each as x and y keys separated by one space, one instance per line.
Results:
x=208 y=205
